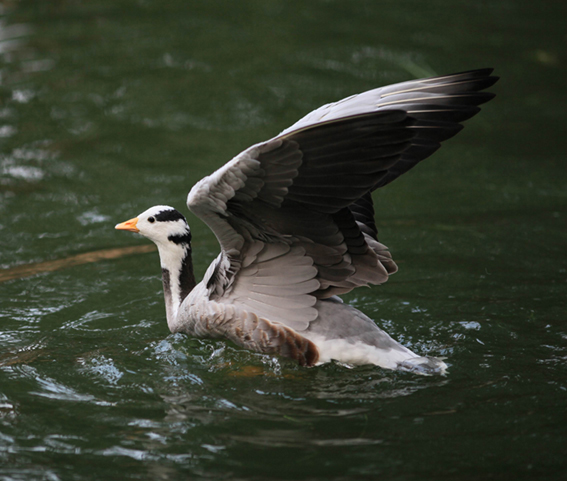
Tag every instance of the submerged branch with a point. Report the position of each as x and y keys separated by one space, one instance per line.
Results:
x=27 y=270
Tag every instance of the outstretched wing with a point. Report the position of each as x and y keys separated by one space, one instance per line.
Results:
x=294 y=215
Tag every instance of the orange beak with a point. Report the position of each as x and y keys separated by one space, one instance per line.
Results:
x=128 y=225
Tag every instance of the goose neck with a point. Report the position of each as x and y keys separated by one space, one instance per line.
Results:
x=177 y=277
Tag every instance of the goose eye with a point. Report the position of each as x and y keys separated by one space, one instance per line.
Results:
x=151 y=220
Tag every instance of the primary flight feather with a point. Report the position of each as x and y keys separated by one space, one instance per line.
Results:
x=294 y=218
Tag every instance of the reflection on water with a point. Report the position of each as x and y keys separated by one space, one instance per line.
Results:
x=108 y=107
x=13 y=166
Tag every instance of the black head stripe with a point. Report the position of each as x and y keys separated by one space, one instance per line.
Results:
x=168 y=216
x=184 y=238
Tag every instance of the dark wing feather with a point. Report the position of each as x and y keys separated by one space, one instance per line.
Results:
x=310 y=190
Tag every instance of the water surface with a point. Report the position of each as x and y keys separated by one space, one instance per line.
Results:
x=109 y=107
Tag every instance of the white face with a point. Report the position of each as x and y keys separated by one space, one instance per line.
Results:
x=161 y=224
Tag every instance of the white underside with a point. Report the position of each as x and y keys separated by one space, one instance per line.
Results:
x=359 y=353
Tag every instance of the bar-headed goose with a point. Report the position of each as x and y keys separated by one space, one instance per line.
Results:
x=295 y=221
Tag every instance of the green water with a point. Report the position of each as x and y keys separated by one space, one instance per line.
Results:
x=109 y=107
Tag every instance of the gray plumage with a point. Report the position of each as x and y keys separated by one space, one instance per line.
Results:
x=295 y=221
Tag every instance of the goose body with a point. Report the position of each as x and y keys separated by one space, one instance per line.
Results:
x=294 y=218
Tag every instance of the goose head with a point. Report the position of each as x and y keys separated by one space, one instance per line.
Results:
x=163 y=225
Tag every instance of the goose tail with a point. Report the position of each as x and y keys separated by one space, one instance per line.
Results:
x=428 y=366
